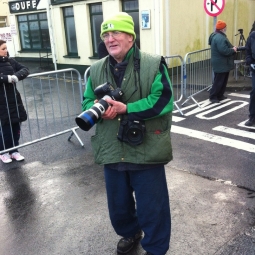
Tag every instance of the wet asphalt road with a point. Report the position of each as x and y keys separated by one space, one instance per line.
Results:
x=54 y=203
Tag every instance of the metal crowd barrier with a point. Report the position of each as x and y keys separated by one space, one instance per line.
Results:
x=198 y=74
x=52 y=101
x=175 y=70
x=86 y=76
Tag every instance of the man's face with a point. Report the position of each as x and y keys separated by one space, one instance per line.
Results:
x=224 y=30
x=118 y=44
x=3 y=50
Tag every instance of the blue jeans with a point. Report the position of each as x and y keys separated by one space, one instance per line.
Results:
x=9 y=136
x=252 y=97
x=149 y=211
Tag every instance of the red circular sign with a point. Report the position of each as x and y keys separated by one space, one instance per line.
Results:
x=214 y=7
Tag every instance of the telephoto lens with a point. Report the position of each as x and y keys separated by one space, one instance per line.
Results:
x=87 y=119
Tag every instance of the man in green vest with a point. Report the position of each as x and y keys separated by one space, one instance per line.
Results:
x=132 y=137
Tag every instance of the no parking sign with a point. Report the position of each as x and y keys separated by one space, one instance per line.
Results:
x=214 y=7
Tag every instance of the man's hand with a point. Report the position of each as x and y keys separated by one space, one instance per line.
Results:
x=114 y=109
x=119 y=107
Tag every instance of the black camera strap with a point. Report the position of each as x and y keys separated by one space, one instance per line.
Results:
x=137 y=68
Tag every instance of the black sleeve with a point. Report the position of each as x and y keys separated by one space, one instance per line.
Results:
x=20 y=70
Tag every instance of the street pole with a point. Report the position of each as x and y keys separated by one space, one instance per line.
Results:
x=52 y=43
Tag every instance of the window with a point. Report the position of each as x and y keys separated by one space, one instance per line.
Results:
x=34 y=31
x=56 y=2
x=3 y=22
x=71 y=40
x=96 y=19
x=132 y=8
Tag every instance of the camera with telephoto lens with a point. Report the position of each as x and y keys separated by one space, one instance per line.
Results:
x=89 y=118
x=131 y=132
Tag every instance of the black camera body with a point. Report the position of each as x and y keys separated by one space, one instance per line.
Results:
x=87 y=119
x=107 y=89
x=131 y=132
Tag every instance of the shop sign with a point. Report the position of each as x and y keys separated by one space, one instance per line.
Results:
x=23 y=6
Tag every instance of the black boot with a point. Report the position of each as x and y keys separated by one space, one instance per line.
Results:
x=250 y=122
x=126 y=244
x=220 y=98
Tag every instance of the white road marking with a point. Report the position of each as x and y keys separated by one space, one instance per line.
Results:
x=205 y=106
x=239 y=95
x=202 y=115
x=177 y=119
x=236 y=132
x=214 y=138
x=208 y=102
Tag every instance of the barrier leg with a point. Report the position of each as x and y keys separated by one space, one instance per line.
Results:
x=178 y=108
x=74 y=133
x=191 y=97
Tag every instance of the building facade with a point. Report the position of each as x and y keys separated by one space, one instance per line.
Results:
x=68 y=32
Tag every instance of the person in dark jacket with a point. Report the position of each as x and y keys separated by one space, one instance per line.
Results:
x=12 y=111
x=252 y=28
x=250 y=60
x=222 y=59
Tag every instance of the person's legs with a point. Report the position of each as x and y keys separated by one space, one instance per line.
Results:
x=224 y=85
x=7 y=137
x=121 y=203
x=152 y=204
x=153 y=208
x=252 y=97
x=219 y=85
x=251 y=120
x=16 y=135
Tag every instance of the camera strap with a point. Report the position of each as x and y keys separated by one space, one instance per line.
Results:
x=137 y=68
